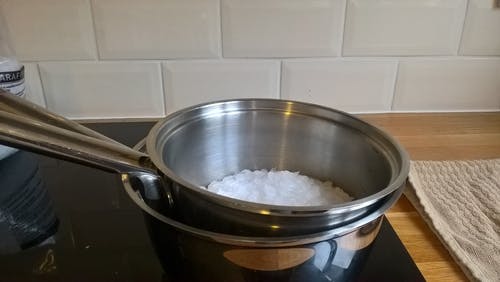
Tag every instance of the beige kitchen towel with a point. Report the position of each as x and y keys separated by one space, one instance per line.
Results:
x=460 y=200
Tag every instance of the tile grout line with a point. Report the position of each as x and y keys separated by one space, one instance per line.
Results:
x=221 y=39
x=461 y=36
x=329 y=58
x=41 y=85
x=280 y=81
x=94 y=34
x=163 y=89
x=340 y=52
x=396 y=76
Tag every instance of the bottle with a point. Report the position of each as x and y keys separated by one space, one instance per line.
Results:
x=11 y=71
x=27 y=217
x=11 y=77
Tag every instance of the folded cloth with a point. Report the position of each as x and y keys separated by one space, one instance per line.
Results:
x=460 y=200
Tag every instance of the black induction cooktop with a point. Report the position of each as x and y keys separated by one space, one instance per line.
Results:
x=61 y=221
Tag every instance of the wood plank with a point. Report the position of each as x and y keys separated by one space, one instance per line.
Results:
x=441 y=271
x=413 y=231
x=436 y=123
x=454 y=153
x=436 y=136
x=403 y=205
x=431 y=257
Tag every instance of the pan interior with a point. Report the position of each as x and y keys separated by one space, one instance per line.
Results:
x=208 y=145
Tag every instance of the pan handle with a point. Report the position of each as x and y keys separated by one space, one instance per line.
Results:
x=22 y=107
x=33 y=135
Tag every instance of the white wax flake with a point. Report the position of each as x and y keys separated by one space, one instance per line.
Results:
x=278 y=188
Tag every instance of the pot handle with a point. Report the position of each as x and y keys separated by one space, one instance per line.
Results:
x=153 y=187
x=22 y=107
x=37 y=136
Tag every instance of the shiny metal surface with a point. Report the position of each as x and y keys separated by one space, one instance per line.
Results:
x=149 y=197
x=33 y=135
x=22 y=107
x=194 y=146
x=193 y=254
x=197 y=145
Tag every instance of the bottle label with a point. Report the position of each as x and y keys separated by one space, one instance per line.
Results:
x=12 y=76
x=13 y=81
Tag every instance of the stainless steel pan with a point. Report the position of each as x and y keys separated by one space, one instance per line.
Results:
x=194 y=146
x=192 y=254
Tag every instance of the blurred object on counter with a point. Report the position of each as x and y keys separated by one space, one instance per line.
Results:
x=27 y=216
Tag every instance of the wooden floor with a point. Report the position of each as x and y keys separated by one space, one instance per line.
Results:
x=450 y=136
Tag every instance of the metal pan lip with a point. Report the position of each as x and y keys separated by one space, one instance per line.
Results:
x=259 y=242
x=286 y=106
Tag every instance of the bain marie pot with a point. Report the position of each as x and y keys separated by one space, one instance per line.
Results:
x=192 y=254
x=190 y=148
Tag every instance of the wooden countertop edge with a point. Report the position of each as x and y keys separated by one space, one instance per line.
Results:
x=436 y=136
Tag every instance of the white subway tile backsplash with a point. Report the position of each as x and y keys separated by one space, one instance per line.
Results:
x=448 y=84
x=33 y=90
x=481 y=35
x=281 y=28
x=354 y=86
x=86 y=90
x=403 y=27
x=100 y=59
x=190 y=83
x=157 y=29
x=50 y=29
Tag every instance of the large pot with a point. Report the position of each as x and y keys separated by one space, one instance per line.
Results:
x=190 y=148
x=192 y=254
